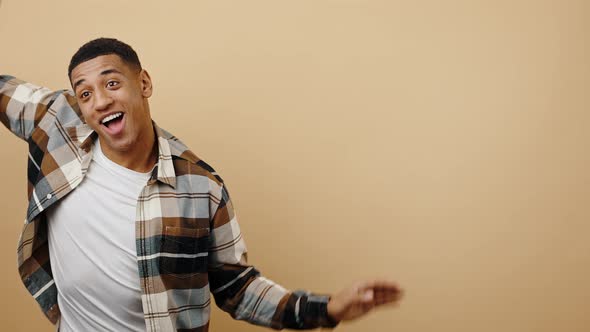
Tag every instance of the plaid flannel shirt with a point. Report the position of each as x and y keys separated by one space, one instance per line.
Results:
x=188 y=240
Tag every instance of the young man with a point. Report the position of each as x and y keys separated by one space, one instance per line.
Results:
x=128 y=230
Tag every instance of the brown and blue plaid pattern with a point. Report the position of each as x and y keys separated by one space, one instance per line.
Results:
x=188 y=240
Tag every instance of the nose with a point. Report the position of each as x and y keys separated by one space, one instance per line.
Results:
x=102 y=100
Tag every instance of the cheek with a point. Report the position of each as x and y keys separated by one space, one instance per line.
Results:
x=87 y=115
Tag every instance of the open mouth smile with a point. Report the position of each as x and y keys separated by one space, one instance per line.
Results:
x=113 y=124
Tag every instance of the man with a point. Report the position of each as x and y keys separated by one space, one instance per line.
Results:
x=128 y=230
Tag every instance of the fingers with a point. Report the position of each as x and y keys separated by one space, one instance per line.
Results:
x=367 y=295
x=380 y=287
x=378 y=292
x=379 y=284
x=381 y=298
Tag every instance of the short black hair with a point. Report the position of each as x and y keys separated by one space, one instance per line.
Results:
x=104 y=46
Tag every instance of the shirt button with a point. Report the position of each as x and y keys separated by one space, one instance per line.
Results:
x=49 y=196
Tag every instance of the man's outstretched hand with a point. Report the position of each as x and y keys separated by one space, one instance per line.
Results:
x=360 y=298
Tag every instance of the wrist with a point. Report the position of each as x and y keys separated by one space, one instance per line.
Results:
x=331 y=315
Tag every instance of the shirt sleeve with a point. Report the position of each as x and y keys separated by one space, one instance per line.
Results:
x=23 y=105
x=240 y=289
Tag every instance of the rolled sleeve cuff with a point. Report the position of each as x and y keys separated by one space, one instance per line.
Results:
x=312 y=311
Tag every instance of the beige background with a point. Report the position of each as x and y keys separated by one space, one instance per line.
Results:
x=443 y=144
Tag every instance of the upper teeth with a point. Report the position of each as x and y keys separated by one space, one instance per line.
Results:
x=111 y=117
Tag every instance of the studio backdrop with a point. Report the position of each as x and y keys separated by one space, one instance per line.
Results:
x=441 y=144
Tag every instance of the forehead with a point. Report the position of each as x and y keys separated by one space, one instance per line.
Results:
x=99 y=64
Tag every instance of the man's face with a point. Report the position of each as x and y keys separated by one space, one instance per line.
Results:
x=112 y=96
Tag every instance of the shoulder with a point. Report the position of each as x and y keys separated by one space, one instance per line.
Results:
x=186 y=162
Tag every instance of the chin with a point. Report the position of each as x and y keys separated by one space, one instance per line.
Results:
x=119 y=146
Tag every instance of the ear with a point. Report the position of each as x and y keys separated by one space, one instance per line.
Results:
x=146 y=84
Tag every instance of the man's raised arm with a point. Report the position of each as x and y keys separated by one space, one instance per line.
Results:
x=23 y=105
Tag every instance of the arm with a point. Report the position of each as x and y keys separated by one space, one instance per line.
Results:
x=240 y=290
x=23 y=105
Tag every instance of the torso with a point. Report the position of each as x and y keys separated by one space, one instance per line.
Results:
x=92 y=248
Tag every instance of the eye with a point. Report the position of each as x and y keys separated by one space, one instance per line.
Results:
x=84 y=94
x=111 y=84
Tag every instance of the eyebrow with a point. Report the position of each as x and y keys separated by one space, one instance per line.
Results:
x=102 y=73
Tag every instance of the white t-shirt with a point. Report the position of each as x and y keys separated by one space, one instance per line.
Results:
x=91 y=235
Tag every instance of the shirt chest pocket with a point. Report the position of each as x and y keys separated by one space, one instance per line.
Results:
x=184 y=251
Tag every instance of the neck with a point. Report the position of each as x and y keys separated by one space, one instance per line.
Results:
x=136 y=158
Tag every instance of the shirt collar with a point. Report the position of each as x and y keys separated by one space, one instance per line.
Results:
x=165 y=168
x=83 y=136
